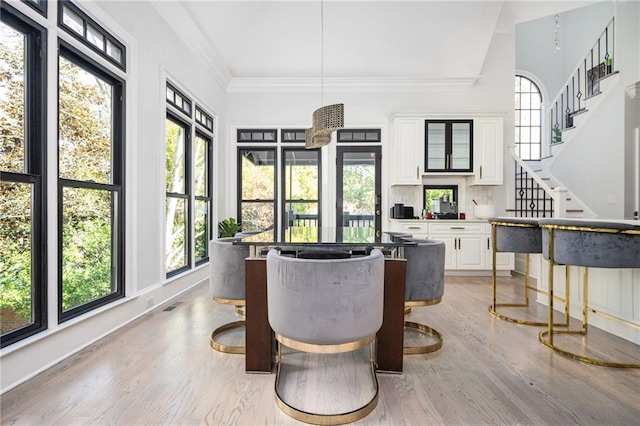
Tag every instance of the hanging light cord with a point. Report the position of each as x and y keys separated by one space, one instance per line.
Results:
x=321 y=53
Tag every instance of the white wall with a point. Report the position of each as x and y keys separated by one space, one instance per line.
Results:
x=591 y=163
x=492 y=92
x=154 y=51
x=579 y=29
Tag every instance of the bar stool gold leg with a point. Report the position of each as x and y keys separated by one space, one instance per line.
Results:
x=527 y=287
x=546 y=337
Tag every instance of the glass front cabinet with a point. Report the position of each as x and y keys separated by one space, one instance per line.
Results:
x=448 y=146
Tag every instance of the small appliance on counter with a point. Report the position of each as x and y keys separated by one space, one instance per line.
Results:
x=400 y=211
x=443 y=208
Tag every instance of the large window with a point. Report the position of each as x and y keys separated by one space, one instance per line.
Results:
x=528 y=115
x=188 y=182
x=177 y=242
x=91 y=178
x=22 y=177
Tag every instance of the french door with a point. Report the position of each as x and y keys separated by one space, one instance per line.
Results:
x=358 y=194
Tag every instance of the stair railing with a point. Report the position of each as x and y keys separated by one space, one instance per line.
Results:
x=583 y=84
x=534 y=197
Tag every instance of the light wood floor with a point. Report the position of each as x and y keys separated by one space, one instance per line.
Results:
x=161 y=370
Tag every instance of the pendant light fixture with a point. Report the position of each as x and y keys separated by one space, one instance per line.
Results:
x=556 y=41
x=326 y=119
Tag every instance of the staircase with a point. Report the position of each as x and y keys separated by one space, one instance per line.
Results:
x=536 y=193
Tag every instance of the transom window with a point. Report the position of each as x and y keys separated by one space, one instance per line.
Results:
x=90 y=33
x=528 y=115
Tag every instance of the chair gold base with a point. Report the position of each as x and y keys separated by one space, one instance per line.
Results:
x=327 y=419
x=494 y=311
x=228 y=349
x=543 y=336
x=324 y=349
x=410 y=350
x=240 y=311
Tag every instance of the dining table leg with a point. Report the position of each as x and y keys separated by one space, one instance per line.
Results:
x=258 y=334
x=390 y=340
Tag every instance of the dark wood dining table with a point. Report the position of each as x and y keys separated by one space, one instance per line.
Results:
x=259 y=336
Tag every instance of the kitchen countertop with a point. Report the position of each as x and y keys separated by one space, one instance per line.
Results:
x=439 y=220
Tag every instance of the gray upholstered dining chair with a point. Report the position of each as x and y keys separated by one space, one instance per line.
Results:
x=424 y=285
x=226 y=284
x=325 y=306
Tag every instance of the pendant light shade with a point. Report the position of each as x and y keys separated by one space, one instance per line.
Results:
x=312 y=142
x=328 y=119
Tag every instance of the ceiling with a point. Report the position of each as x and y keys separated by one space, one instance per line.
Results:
x=425 y=39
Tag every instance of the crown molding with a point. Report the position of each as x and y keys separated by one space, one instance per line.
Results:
x=349 y=84
x=178 y=19
x=444 y=114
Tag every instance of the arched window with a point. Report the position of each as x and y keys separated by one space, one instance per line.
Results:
x=528 y=115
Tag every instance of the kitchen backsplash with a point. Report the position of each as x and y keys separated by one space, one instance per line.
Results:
x=411 y=195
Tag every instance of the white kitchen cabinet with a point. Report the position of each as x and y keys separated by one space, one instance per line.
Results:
x=407 y=151
x=488 y=151
x=417 y=229
x=463 y=242
x=468 y=244
x=504 y=261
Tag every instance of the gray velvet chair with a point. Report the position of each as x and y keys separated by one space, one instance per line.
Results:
x=226 y=284
x=518 y=235
x=588 y=244
x=325 y=306
x=424 y=285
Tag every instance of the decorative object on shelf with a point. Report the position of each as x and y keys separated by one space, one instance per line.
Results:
x=556 y=42
x=328 y=118
x=484 y=211
x=557 y=134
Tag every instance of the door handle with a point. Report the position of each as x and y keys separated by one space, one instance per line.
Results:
x=417 y=172
x=488 y=239
x=378 y=212
x=480 y=172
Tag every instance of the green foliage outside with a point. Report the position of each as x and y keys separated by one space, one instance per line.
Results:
x=84 y=145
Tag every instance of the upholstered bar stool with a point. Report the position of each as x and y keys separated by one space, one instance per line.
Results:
x=226 y=283
x=424 y=286
x=326 y=306
x=519 y=235
x=588 y=244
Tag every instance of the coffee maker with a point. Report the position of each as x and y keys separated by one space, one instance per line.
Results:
x=444 y=208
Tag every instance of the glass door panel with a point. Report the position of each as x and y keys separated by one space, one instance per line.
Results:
x=358 y=193
x=436 y=146
x=301 y=189
x=460 y=146
x=257 y=189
